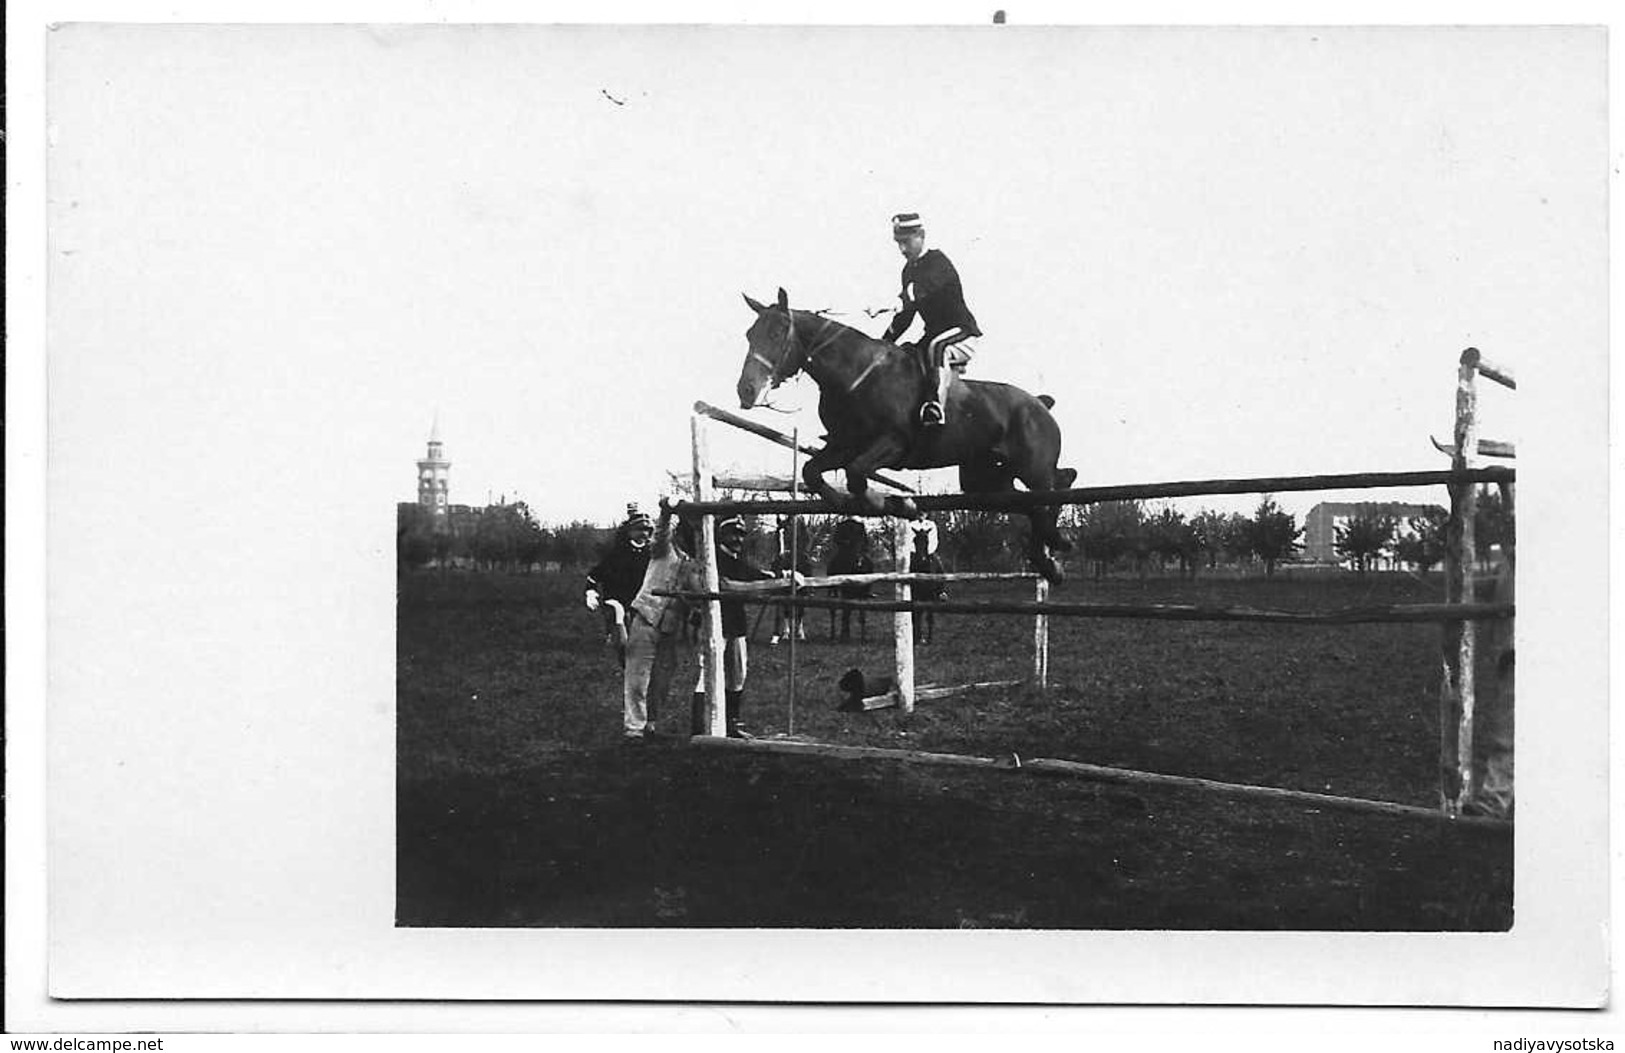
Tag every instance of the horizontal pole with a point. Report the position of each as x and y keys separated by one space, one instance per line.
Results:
x=1473 y=357
x=1486 y=448
x=1133 y=777
x=773 y=435
x=1398 y=613
x=1096 y=773
x=833 y=581
x=1018 y=499
x=765 y=484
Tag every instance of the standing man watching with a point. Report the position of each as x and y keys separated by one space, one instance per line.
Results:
x=931 y=289
x=615 y=580
x=732 y=565
x=656 y=623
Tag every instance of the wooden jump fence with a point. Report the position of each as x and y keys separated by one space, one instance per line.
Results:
x=1457 y=615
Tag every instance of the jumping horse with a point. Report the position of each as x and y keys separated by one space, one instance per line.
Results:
x=868 y=394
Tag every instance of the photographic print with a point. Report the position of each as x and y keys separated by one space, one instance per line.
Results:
x=841 y=483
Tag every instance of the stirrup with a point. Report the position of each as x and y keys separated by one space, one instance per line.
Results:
x=931 y=414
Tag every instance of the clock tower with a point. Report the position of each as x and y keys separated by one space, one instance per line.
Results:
x=433 y=473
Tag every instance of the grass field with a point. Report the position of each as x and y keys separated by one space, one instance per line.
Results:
x=520 y=806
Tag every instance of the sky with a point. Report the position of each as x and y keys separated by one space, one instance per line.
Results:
x=1224 y=252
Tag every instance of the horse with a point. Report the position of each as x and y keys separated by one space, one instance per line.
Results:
x=851 y=556
x=868 y=391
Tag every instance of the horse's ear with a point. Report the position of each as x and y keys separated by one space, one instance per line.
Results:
x=757 y=307
x=784 y=299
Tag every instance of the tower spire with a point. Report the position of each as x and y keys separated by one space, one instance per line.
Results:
x=434 y=473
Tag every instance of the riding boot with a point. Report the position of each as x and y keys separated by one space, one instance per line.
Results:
x=735 y=702
x=697 y=715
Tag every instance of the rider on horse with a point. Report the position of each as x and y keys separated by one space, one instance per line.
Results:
x=932 y=290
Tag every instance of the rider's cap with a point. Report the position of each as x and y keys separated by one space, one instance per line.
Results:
x=636 y=518
x=905 y=223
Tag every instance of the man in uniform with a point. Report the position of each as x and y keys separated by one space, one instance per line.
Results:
x=732 y=565
x=615 y=580
x=931 y=289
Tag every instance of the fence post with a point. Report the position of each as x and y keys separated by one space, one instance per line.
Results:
x=716 y=718
x=902 y=621
x=1459 y=639
x=1041 y=637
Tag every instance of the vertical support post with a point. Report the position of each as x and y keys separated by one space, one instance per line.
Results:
x=1456 y=691
x=1041 y=637
x=902 y=621
x=795 y=562
x=716 y=717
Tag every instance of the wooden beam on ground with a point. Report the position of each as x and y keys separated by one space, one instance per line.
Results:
x=776 y=436
x=1020 y=500
x=1397 y=613
x=932 y=692
x=1098 y=773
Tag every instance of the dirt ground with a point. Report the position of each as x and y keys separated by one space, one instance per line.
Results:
x=518 y=805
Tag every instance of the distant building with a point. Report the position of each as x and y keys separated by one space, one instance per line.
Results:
x=434 y=478
x=1320 y=528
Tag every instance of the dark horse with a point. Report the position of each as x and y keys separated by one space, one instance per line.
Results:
x=869 y=389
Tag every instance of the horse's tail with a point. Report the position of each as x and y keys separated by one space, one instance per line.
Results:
x=1049 y=403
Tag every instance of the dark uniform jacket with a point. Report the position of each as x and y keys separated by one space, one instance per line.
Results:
x=619 y=575
x=931 y=289
x=736 y=568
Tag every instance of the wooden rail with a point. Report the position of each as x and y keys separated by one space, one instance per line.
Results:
x=1395 y=613
x=1101 y=773
x=775 y=436
x=1083 y=495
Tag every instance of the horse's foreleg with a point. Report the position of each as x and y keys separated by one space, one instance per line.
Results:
x=880 y=454
x=812 y=474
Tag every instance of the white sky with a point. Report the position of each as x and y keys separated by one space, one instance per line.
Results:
x=1246 y=252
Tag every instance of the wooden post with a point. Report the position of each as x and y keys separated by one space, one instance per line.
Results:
x=1041 y=637
x=902 y=621
x=1459 y=638
x=795 y=561
x=715 y=710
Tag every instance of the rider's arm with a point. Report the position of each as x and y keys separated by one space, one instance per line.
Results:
x=904 y=317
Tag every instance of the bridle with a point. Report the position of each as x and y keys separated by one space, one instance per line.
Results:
x=776 y=372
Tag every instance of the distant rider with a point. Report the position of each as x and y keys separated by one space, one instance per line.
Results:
x=931 y=289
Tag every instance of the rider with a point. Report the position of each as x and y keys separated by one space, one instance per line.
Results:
x=931 y=288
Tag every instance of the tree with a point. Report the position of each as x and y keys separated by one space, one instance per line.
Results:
x=977 y=539
x=1170 y=537
x=1109 y=530
x=506 y=534
x=1210 y=529
x=1423 y=545
x=1363 y=539
x=1493 y=525
x=1273 y=534
x=414 y=535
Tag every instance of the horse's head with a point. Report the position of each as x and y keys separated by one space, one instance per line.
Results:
x=775 y=354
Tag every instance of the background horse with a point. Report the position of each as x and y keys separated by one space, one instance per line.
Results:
x=851 y=556
x=868 y=391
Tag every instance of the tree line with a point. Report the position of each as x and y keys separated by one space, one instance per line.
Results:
x=1131 y=536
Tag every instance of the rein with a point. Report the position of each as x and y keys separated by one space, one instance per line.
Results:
x=811 y=354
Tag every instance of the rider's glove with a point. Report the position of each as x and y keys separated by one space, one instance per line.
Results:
x=592 y=599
